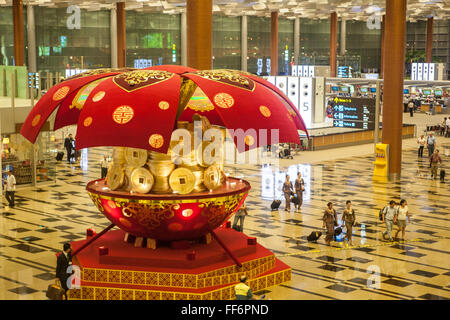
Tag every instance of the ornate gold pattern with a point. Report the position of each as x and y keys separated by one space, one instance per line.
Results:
x=123 y=114
x=135 y=80
x=147 y=215
x=228 y=77
x=187 y=89
x=156 y=141
x=224 y=100
x=61 y=93
x=97 y=72
x=99 y=96
x=163 y=105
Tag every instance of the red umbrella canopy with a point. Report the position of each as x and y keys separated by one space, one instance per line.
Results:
x=57 y=95
x=139 y=108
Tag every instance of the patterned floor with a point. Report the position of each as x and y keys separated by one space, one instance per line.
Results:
x=46 y=217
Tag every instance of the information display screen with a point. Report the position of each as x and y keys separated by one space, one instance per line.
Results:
x=363 y=90
x=438 y=93
x=426 y=92
x=405 y=91
x=344 y=89
x=354 y=113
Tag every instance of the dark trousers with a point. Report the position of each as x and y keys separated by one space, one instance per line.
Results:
x=63 y=281
x=421 y=151
x=411 y=112
x=104 y=173
x=69 y=154
x=9 y=195
x=430 y=149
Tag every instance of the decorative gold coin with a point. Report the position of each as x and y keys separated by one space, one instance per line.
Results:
x=141 y=180
x=182 y=181
x=118 y=155
x=61 y=93
x=87 y=122
x=98 y=96
x=163 y=105
x=115 y=177
x=36 y=120
x=156 y=141
x=265 y=111
x=223 y=100
x=136 y=157
x=213 y=177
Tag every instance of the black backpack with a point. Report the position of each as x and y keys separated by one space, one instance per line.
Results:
x=380 y=215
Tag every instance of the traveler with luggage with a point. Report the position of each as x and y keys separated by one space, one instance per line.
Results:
x=239 y=217
x=401 y=217
x=388 y=214
x=421 y=142
x=287 y=191
x=63 y=262
x=431 y=144
x=299 y=188
x=329 y=221
x=435 y=160
x=349 y=219
x=68 y=144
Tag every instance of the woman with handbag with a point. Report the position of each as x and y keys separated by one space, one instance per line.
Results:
x=287 y=191
x=329 y=221
x=299 y=188
x=349 y=219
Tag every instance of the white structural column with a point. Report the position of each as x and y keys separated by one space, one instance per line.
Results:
x=343 y=44
x=31 y=36
x=296 y=40
x=113 y=30
x=183 y=39
x=244 y=43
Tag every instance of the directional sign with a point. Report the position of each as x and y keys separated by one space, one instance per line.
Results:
x=354 y=113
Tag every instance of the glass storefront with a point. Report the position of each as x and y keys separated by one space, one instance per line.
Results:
x=258 y=45
x=7 y=35
x=285 y=45
x=365 y=43
x=226 y=42
x=315 y=42
x=153 y=39
x=17 y=156
x=60 y=45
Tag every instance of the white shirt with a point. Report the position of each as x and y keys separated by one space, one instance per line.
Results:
x=421 y=141
x=447 y=122
x=10 y=183
x=104 y=163
x=402 y=213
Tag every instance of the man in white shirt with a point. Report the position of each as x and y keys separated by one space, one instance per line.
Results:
x=10 y=189
x=104 y=166
x=447 y=127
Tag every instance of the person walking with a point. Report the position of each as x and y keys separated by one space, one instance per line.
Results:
x=349 y=218
x=299 y=188
x=10 y=182
x=400 y=218
x=104 y=167
x=411 y=108
x=389 y=213
x=239 y=217
x=329 y=221
x=431 y=144
x=68 y=144
x=287 y=191
x=63 y=262
x=447 y=127
x=421 y=142
x=435 y=160
x=444 y=127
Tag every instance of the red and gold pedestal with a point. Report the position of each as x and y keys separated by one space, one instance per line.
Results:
x=112 y=269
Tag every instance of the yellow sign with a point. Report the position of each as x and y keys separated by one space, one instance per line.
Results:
x=381 y=168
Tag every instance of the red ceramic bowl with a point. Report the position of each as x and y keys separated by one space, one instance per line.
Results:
x=169 y=217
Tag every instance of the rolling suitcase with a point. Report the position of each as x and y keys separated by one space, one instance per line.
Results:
x=442 y=174
x=314 y=236
x=275 y=205
x=59 y=156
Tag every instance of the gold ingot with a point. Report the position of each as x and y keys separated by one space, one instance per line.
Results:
x=213 y=177
x=182 y=181
x=159 y=156
x=115 y=178
x=136 y=157
x=141 y=180
x=161 y=169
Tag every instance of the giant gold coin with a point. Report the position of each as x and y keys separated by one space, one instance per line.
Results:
x=141 y=180
x=115 y=178
x=118 y=155
x=213 y=177
x=182 y=181
x=136 y=157
x=127 y=184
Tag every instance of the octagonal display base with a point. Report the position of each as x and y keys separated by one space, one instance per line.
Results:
x=202 y=272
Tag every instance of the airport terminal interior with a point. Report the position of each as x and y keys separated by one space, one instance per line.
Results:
x=352 y=108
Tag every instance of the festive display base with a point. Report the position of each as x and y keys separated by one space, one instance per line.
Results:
x=112 y=269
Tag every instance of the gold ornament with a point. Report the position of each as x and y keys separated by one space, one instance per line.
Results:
x=136 y=157
x=182 y=181
x=141 y=180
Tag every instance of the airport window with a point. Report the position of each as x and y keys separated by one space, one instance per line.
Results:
x=226 y=42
